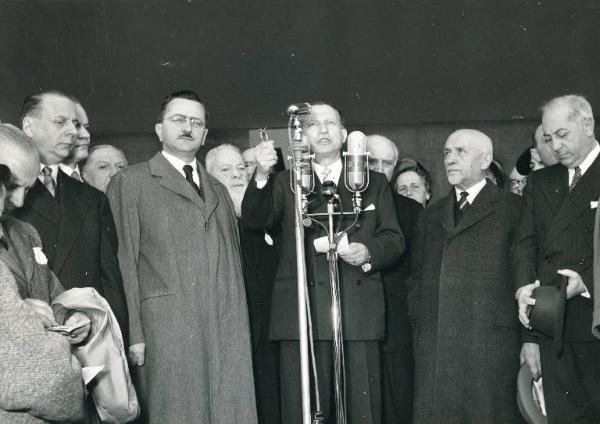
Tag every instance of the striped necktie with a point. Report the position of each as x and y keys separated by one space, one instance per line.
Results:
x=576 y=178
x=76 y=175
x=48 y=180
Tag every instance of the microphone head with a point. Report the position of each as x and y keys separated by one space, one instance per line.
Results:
x=357 y=143
x=299 y=109
x=328 y=189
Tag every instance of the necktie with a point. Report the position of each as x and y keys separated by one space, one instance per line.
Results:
x=189 y=171
x=76 y=175
x=576 y=178
x=48 y=180
x=458 y=210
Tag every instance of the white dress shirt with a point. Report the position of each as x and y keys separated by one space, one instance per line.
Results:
x=54 y=169
x=587 y=162
x=473 y=191
x=178 y=164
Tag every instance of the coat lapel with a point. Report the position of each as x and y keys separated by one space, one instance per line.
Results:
x=576 y=202
x=481 y=208
x=74 y=204
x=173 y=181
x=211 y=197
x=41 y=201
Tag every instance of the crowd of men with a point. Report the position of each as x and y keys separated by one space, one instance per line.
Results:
x=198 y=263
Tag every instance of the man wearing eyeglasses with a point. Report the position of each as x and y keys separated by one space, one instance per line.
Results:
x=179 y=254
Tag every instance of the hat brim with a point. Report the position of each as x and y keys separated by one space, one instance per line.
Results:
x=527 y=405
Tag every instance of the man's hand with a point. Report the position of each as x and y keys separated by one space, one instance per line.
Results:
x=266 y=159
x=575 y=286
x=43 y=310
x=79 y=334
x=525 y=300
x=530 y=354
x=356 y=254
x=137 y=354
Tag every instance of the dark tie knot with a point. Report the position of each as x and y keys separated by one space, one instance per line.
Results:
x=463 y=198
x=188 y=171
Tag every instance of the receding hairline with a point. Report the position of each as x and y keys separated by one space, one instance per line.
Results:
x=374 y=139
x=211 y=156
x=479 y=138
x=579 y=107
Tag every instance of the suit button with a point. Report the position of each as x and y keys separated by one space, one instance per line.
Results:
x=581 y=261
x=358 y=282
x=311 y=283
x=548 y=259
x=357 y=226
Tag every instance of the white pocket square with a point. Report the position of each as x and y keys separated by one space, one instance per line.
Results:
x=371 y=207
x=594 y=204
x=40 y=258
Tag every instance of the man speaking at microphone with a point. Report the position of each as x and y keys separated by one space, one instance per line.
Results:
x=374 y=243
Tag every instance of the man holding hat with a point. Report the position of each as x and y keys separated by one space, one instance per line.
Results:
x=555 y=239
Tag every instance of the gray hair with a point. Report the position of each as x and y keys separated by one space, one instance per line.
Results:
x=211 y=156
x=579 y=107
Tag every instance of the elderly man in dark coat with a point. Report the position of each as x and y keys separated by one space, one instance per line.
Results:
x=467 y=334
x=179 y=254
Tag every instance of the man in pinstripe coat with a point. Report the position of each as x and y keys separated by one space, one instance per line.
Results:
x=556 y=238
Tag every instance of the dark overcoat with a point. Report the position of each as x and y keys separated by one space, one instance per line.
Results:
x=462 y=296
x=362 y=295
x=182 y=272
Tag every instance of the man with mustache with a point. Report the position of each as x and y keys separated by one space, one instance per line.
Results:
x=182 y=271
x=374 y=244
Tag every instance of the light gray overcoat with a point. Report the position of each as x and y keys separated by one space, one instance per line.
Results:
x=182 y=273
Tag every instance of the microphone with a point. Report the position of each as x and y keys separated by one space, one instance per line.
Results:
x=299 y=109
x=328 y=189
x=357 y=172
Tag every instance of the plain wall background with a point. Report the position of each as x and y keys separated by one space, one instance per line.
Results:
x=413 y=70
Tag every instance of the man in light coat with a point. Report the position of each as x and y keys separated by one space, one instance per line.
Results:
x=179 y=255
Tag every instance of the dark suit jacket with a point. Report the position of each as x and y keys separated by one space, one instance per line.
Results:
x=557 y=232
x=34 y=278
x=397 y=324
x=79 y=239
x=362 y=294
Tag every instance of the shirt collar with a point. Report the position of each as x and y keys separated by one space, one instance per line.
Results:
x=335 y=170
x=587 y=162
x=54 y=169
x=179 y=164
x=473 y=191
x=68 y=170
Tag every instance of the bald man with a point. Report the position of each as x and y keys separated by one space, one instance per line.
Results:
x=462 y=297
x=383 y=155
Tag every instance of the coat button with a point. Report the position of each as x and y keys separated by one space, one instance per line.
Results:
x=358 y=282
x=311 y=283
x=581 y=261
x=548 y=259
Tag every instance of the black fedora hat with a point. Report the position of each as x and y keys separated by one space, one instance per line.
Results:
x=548 y=314
x=529 y=406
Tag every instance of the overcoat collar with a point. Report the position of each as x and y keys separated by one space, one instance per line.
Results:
x=568 y=206
x=483 y=205
x=173 y=181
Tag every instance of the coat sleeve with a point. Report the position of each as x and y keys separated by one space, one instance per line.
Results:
x=112 y=283
x=122 y=197
x=262 y=208
x=415 y=280
x=387 y=244
x=524 y=250
x=43 y=273
x=38 y=374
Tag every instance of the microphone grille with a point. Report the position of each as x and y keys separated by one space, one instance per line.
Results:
x=357 y=142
